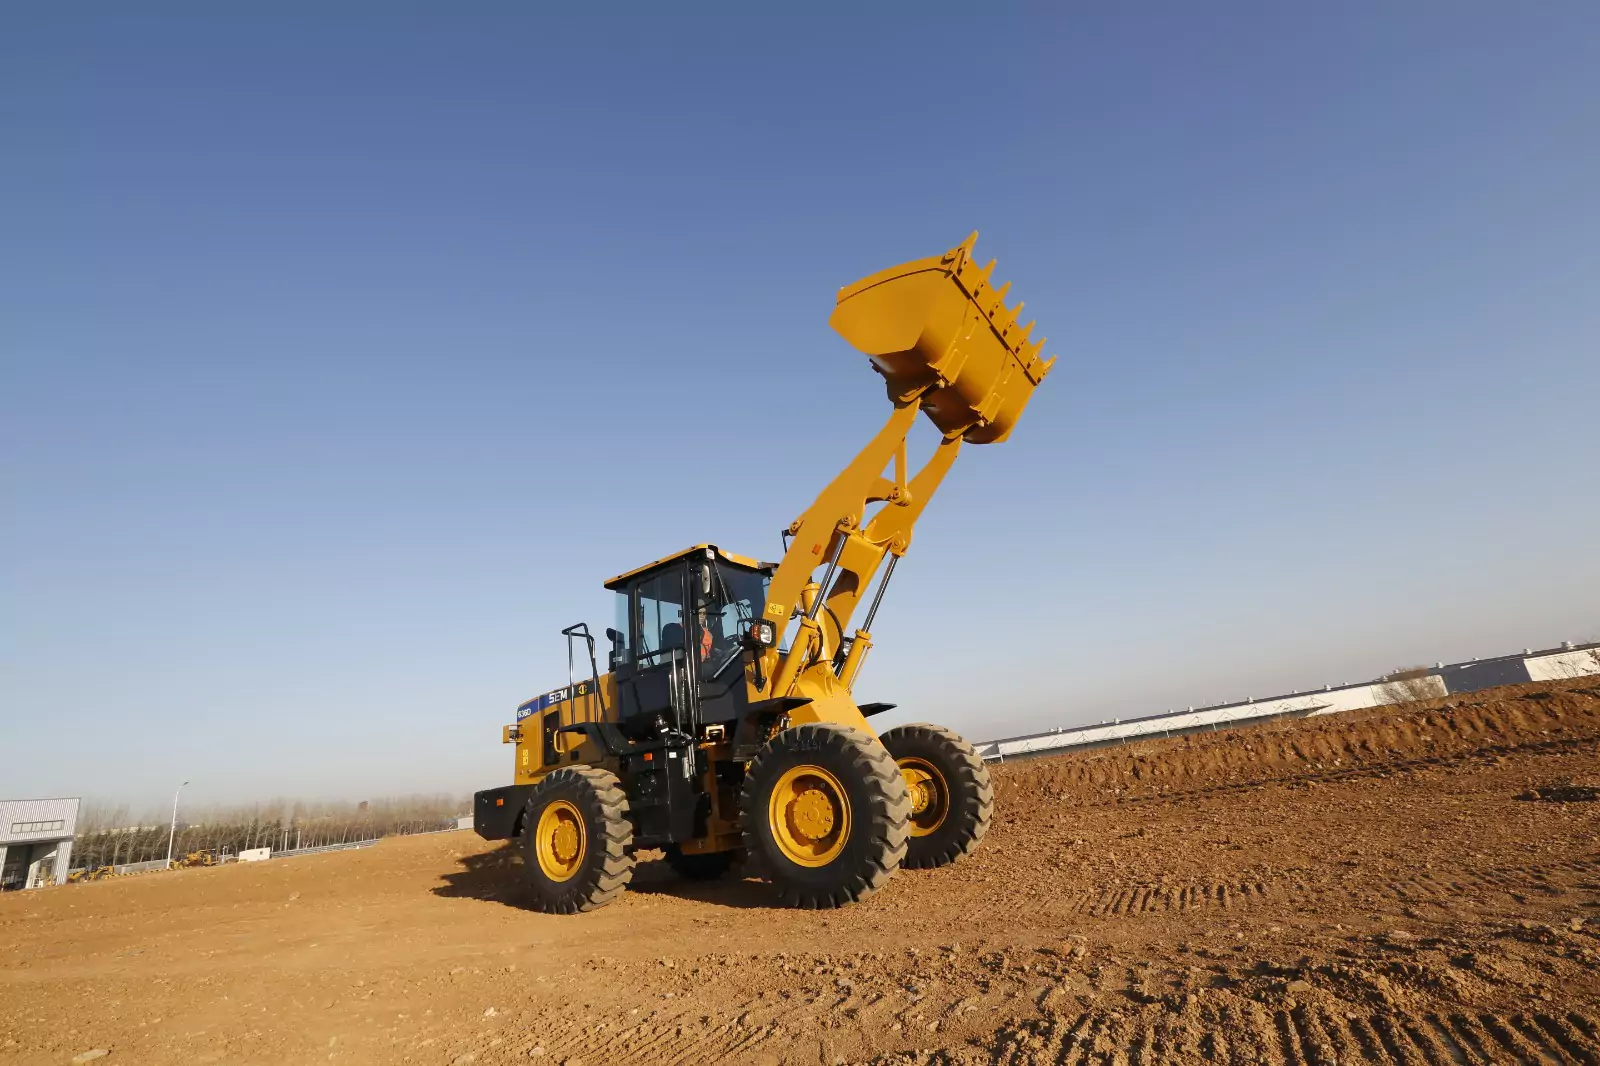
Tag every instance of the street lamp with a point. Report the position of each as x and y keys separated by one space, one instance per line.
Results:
x=173 y=832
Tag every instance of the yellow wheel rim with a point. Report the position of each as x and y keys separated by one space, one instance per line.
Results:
x=930 y=796
x=560 y=841
x=810 y=815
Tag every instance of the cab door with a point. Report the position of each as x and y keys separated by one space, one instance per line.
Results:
x=656 y=677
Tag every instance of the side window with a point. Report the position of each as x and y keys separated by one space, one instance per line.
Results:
x=658 y=627
x=621 y=650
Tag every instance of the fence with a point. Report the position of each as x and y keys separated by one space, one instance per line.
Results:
x=347 y=846
x=161 y=864
x=1161 y=725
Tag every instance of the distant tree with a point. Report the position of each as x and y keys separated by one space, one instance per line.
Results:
x=109 y=836
x=1407 y=685
x=1577 y=665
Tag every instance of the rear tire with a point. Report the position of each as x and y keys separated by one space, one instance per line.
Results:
x=952 y=797
x=700 y=866
x=577 y=842
x=826 y=815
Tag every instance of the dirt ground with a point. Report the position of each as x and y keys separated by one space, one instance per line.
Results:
x=1385 y=886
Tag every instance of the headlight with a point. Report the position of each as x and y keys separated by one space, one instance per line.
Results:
x=762 y=634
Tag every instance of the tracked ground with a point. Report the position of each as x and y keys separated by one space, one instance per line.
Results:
x=1390 y=886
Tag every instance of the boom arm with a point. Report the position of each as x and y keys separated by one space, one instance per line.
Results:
x=947 y=345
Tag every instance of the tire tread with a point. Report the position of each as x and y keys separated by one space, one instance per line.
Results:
x=972 y=779
x=612 y=839
x=887 y=818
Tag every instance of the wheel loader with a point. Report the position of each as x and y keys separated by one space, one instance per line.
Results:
x=724 y=731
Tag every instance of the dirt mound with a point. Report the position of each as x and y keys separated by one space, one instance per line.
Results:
x=1356 y=888
x=1433 y=731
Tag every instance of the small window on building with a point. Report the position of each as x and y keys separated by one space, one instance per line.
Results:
x=38 y=827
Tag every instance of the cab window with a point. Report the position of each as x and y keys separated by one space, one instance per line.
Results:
x=658 y=624
x=738 y=597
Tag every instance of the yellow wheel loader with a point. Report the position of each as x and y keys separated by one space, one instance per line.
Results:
x=724 y=730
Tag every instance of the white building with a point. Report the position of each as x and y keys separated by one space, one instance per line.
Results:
x=1568 y=661
x=36 y=842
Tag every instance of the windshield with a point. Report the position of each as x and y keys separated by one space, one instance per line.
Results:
x=653 y=622
x=738 y=597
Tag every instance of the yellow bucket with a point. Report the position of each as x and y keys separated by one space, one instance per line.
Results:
x=936 y=326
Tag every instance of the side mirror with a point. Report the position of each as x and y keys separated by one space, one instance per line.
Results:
x=705 y=581
x=616 y=645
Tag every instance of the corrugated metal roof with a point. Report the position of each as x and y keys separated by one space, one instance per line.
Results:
x=28 y=821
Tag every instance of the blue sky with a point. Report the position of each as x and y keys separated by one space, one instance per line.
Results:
x=344 y=357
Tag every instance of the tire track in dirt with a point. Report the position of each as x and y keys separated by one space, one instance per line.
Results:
x=1518 y=884
x=1161 y=898
x=833 y=1009
x=1249 y=1035
x=1408 y=1006
x=1386 y=1000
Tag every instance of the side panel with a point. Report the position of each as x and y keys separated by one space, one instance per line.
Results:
x=495 y=810
x=665 y=797
x=725 y=698
x=540 y=748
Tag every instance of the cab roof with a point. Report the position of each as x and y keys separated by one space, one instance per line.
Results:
x=736 y=560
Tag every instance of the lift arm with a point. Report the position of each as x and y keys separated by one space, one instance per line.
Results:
x=946 y=345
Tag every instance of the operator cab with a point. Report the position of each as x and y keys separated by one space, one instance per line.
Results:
x=677 y=643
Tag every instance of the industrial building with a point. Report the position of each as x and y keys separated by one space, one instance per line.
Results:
x=1552 y=664
x=36 y=842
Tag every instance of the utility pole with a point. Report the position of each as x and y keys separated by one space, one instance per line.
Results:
x=173 y=832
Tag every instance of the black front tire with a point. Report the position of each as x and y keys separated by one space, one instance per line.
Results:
x=959 y=801
x=877 y=810
x=605 y=866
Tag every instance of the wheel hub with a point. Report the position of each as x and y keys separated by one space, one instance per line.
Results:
x=809 y=815
x=930 y=796
x=564 y=842
x=558 y=840
x=813 y=814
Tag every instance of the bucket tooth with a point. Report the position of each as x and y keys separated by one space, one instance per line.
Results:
x=937 y=328
x=961 y=254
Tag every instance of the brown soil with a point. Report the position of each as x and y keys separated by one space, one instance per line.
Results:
x=1367 y=887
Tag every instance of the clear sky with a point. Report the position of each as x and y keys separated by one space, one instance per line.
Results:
x=345 y=356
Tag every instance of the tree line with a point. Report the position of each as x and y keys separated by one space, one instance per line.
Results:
x=109 y=835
